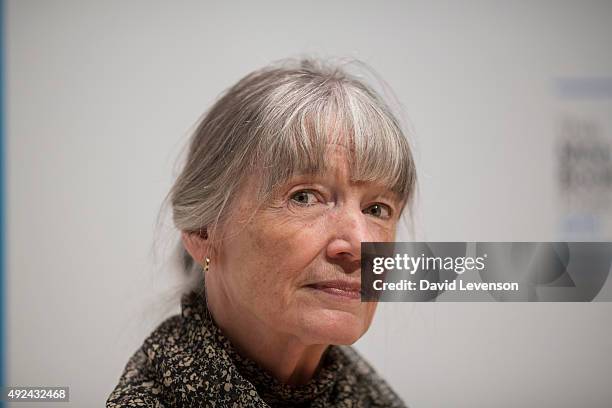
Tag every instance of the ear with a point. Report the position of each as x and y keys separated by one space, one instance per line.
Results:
x=197 y=244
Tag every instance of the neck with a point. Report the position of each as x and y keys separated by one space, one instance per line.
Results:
x=282 y=355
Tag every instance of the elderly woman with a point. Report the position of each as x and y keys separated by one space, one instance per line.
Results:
x=290 y=170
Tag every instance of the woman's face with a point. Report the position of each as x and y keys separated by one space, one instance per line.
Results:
x=294 y=262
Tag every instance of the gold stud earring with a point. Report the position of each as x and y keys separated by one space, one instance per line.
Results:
x=206 y=264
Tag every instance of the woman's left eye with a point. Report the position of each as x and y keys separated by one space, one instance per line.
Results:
x=304 y=197
x=378 y=210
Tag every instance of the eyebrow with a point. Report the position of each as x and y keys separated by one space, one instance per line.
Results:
x=385 y=191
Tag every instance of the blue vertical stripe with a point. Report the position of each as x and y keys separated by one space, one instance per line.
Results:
x=3 y=305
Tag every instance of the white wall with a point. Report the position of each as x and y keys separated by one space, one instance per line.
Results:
x=101 y=96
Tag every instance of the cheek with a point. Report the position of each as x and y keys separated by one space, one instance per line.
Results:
x=382 y=232
x=267 y=260
x=370 y=309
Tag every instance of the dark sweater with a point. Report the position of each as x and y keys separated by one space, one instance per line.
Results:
x=188 y=362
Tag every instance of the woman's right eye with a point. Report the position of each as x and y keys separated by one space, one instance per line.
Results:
x=304 y=197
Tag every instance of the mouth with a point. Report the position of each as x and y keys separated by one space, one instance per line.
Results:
x=340 y=289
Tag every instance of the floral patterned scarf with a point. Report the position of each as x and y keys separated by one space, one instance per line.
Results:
x=188 y=362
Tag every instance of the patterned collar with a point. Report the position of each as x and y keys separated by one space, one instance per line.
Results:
x=238 y=372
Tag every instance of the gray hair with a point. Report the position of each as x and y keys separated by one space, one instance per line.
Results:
x=275 y=123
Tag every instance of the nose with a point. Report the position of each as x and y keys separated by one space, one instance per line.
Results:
x=349 y=228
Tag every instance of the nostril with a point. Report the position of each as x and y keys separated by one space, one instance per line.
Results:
x=348 y=261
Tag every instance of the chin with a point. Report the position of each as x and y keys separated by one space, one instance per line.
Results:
x=326 y=326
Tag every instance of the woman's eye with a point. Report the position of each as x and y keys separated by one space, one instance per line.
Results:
x=304 y=197
x=378 y=210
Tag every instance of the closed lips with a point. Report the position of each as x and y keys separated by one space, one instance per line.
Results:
x=339 y=287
